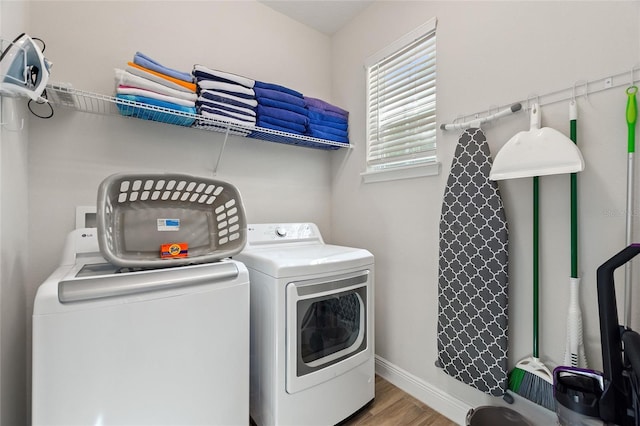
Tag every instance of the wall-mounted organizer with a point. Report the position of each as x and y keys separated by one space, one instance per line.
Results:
x=65 y=96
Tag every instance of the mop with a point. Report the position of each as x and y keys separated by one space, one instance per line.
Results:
x=574 y=355
x=632 y=116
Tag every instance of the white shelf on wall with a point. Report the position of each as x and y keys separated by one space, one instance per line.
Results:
x=65 y=96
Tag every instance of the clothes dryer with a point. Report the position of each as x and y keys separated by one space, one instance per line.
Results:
x=312 y=316
x=152 y=347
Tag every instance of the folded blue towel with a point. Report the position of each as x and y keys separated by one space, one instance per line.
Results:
x=232 y=108
x=213 y=95
x=226 y=113
x=326 y=129
x=263 y=85
x=148 y=114
x=145 y=61
x=328 y=136
x=337 y=126
x=319 y=116
x=326 y=112
x=282 y=114
x=276 y=127
x=265 y=119
x=279 y=96
x=282 y=105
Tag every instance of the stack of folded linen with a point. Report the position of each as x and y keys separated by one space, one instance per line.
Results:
x=327 y=121
x=159 y=88
x=227 y=97
x=281 y=108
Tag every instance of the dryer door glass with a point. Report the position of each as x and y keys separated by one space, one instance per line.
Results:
x=327 y=330
x=329 y=325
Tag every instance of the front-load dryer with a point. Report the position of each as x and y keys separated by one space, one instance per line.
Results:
x=312 y=339
x=152 y=347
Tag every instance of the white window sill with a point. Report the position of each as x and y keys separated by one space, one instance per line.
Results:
x=422 y=170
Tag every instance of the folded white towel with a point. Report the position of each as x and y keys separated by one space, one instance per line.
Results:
x=227 y=107
x=154 y=95
x=127 y=79
x=247 y=82
x=249 y=102
x=228 y=87
x=226 y=119
x=144 y=74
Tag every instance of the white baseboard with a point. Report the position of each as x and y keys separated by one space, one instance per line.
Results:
x=447 y=405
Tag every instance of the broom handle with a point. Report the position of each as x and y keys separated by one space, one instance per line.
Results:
x=574 y=210
x=535 y=264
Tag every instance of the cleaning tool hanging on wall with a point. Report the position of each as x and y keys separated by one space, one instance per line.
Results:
x=533 y=153
x=536 y=152
x=632 y=117
x=530 y=378
x=24 y=71
x=472 y=275
x=574 y=355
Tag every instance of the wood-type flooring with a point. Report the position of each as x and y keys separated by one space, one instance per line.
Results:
x=393 y=407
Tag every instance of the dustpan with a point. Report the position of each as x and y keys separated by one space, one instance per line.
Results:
x=536 y=152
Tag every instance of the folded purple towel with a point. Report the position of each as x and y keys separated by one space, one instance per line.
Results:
x=325 y=106
x=328 y=113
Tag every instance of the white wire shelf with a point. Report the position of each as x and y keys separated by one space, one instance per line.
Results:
x=95 y=103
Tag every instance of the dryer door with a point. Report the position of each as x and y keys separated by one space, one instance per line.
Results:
x=327 y=328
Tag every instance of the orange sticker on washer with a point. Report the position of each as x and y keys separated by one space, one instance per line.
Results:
x=172 y=250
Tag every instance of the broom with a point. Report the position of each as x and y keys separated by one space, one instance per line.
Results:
x=530 y=378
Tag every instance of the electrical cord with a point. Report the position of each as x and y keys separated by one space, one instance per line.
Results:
x=34 y=75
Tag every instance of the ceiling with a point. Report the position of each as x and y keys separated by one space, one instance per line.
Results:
x=326 y=16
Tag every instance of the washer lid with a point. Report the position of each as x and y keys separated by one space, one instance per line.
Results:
x=304 y=259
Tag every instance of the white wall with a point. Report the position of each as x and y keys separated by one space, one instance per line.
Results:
x=70 y=154
x=489 y=54
x=13 y=241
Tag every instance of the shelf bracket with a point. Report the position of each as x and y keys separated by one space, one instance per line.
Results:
x=224 y=144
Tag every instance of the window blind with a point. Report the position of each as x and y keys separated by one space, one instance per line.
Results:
x=401 y=104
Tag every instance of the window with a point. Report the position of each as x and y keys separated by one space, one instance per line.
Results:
x=401 y=107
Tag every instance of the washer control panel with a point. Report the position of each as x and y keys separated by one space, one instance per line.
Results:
x=266 y=233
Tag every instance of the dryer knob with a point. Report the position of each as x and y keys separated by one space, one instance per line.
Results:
x=281 y=232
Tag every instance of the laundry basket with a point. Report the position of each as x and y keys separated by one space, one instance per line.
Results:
x=161 y=220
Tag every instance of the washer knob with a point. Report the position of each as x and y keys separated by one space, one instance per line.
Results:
x=281 y=232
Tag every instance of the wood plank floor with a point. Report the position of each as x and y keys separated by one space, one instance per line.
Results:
x=393 y=407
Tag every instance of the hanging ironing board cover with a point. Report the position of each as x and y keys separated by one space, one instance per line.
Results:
x=472 y=277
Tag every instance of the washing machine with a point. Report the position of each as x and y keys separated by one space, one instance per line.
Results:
x=312 y=316
x=140 y=347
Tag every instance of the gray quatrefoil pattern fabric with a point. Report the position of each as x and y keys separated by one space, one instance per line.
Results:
x=472 y=277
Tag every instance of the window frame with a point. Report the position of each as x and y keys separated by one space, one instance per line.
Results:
x=431 y=165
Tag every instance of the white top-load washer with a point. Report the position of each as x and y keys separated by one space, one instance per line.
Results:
x=312 y=316
x=153 y=347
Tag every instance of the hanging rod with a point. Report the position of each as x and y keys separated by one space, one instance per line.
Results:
x=478 y=121
x=590 y=87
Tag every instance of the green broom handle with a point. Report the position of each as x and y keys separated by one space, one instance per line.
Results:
x=535 y=264
x=574 y=209
x=632 y=116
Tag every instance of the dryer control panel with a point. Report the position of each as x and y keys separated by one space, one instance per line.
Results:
x=274 y=233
